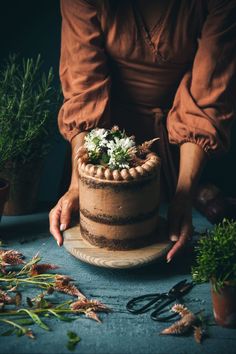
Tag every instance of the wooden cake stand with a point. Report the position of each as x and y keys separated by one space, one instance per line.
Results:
x=102 y=257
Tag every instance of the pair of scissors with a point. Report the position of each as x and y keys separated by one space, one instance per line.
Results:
x=159 y=301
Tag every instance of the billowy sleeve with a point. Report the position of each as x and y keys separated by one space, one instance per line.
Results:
x=83 y=70
x=205 y=102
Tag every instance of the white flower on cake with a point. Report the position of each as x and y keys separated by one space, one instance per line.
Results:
x=114 y=149
x=96 y=139
x=119 y=152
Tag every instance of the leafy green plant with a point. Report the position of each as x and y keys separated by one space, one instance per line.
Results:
x=73 y=340
x=216 y=256
x=28 y=102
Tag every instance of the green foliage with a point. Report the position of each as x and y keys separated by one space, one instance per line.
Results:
x=28 y=102
x=216 y=256
x=72 y=341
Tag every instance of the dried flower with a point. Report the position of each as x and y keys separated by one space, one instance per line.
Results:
x=50 y=290
x=14 y=288
x=85 y=304
x=182 y=326
x=198 y=334
x=10 y=257
x=41 y=268
x=115 y=129
x=64 y=279
x=89 y=307
x=30 y=334
x=93 y=316
x=18 y=298
x=145 y=147
x=62 y=284
x=39 y=301
x=30 y=274
x=4 y=297
x=188 y=321
x=181 y=309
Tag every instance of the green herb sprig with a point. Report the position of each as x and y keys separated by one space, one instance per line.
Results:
x=28 y=103
x=73 y=340
x=16 y=276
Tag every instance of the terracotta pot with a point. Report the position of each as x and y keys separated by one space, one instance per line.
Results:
x=4 y=192
x=24 y=181
x=224 y=306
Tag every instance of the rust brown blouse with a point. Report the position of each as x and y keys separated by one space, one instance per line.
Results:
x=179 y=76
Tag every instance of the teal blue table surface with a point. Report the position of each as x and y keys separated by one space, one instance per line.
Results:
x=120 y=331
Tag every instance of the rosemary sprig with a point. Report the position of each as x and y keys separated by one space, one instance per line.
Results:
x=28 y=103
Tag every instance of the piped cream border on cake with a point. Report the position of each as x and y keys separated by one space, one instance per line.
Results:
x=151 y=163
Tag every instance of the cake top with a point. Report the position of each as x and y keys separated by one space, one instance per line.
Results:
x=113 y=152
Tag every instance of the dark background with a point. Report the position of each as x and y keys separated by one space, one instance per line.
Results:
x=29 y=28
x=32 y=27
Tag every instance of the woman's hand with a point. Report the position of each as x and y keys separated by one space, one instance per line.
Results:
x=192 y=161
x=180 y=223
x=60 y=215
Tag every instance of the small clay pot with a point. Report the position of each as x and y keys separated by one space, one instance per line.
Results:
x=4 y=192
x=224 y=306
x=24 y=181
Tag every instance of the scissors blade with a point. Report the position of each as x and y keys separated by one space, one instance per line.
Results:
x=176 y=292
x=177 y=286
x=186 y=288
x=132 y=305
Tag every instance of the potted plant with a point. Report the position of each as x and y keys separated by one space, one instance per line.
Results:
x=216 y=262
x=4 y=190
x=28 y=101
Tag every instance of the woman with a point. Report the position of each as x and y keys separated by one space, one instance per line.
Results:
x=156 y=68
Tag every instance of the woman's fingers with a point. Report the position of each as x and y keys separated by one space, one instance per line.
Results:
x=60 y=215
x=184 y=236
x=66 y=211
x=54 y=220
x=180 y=225
x=174 y=226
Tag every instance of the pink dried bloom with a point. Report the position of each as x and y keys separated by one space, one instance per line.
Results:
x=62 y=284
x=30 y=334
x=93 y=316
x=4 y=297
x=181 y=309
x=10 y=257
x=115 y=128
x=88 y=305
x=64 y=279
x=41 y=268
x=14 y=288
x=3 y=270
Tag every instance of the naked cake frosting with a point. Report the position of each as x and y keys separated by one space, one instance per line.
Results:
x=119 y=190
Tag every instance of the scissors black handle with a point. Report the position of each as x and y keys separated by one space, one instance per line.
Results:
x=156 y=315
x=133 y=303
